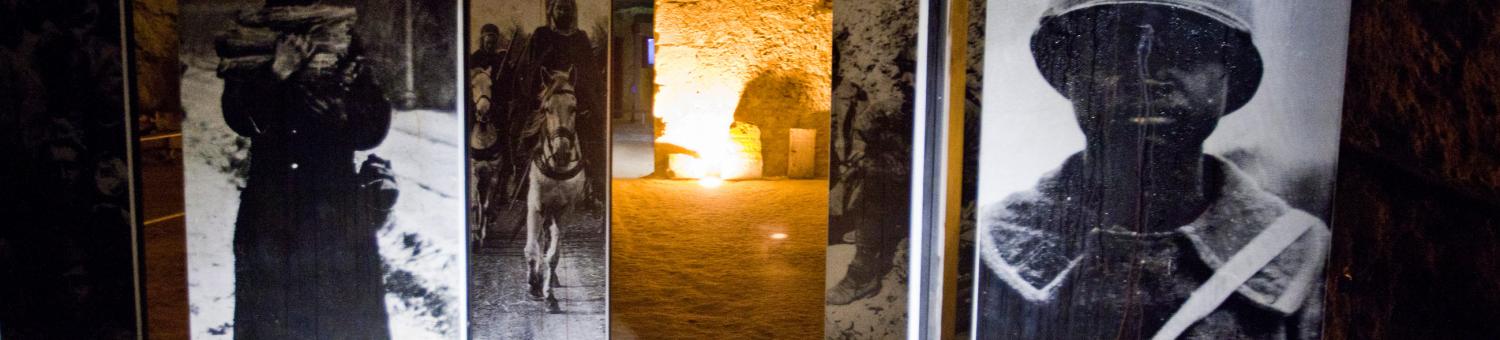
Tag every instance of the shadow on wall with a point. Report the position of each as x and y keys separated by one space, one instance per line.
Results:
x=778 y=102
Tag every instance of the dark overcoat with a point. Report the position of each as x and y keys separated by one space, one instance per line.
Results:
x=307 y=265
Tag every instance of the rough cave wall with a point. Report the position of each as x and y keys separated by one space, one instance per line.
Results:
x=1417 y=213
x=155 y=45
x=775 y=54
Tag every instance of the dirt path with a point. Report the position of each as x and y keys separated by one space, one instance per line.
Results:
x=697 y=263
x=500 y=307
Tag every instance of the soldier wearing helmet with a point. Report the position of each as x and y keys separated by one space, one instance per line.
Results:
x=1142 y=234
x=491 y=51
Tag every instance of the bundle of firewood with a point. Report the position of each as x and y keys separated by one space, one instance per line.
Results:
x=246 y=51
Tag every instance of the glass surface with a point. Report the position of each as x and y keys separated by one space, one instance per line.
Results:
x=537 y=137
x=1131 y=154
x=719 y=202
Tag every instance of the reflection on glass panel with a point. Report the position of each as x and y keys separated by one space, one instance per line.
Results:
x=1151 y=168
x=720 y=192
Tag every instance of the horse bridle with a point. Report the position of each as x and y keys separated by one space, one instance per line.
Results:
x=551 y=155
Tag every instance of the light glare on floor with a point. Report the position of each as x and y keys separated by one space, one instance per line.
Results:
x=778 y=236
x=710 y=182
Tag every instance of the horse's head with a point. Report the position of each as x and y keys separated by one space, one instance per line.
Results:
x=558 y=103
x=559 y=111
x=480 y=82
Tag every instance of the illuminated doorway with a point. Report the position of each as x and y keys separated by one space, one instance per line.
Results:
x=720 y=194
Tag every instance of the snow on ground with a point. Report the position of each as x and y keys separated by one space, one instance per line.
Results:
x=880 y=316
x=690 y=262
x=424 y=250
x=427 y=241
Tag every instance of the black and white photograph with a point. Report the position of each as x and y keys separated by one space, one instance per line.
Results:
x=537 y=168
x=874 y=66
x=68 y=243
x=323 y=169
x=1155 y=169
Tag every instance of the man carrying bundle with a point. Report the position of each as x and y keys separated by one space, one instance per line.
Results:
x=307 y=265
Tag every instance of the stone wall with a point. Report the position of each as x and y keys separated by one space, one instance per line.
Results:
x=765 y=62
x=157 y=69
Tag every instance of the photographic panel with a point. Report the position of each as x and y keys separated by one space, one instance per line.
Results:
x=323 y=169
x=875 y=51
x=69 y=243
x=1152 y=168
x=537 y=145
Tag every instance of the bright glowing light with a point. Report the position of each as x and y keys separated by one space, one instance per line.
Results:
x=700 y=119
x=778 y=236
x=710 y=182
x=697 y=119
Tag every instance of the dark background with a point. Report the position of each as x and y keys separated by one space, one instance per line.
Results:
x=67 y=213
x=1416 y=251
x=1417 y=209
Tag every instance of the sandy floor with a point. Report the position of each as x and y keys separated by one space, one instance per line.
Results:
x=695 y=263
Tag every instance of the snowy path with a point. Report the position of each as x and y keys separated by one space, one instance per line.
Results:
x=697 y=263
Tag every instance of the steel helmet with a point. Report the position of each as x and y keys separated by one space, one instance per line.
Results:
x=1050 y=44
x=280 y=3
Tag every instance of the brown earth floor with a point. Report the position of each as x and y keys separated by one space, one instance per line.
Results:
x=690 y=262
x=165 y=239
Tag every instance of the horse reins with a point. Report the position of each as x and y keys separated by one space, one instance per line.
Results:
x=550 y=156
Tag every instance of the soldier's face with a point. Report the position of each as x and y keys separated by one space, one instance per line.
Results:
x=565 y=14
x=489 y=42
x=1153 y=82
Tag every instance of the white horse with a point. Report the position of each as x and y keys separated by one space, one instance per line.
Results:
x=556 y=181
x=484 y=171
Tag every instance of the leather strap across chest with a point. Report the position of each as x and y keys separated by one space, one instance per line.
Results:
x=1250 y=259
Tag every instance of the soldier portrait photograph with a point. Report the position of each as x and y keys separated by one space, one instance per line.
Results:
x=1155 y=168
x=322 y=169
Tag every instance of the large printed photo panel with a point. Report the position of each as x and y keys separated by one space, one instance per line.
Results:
x=69 y=195
x=323 y=169
x=536 y=124
x=1153 y=168
x=874 y=99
